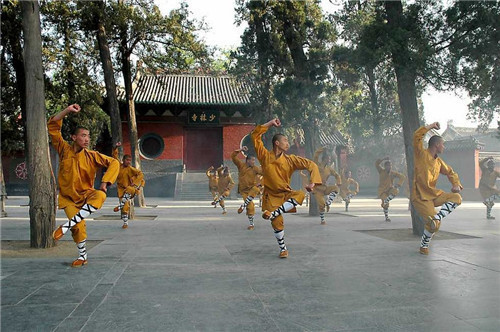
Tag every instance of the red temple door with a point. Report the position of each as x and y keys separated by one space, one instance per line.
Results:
x=202 y=148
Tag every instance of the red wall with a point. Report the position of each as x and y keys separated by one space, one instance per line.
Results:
x=172 y=134
x=232 y=136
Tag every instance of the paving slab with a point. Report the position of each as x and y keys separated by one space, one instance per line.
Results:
x=191 y=268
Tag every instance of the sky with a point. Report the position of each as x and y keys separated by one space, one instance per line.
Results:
x=220 y=17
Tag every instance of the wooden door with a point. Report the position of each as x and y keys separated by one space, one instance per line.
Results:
x=202 y=148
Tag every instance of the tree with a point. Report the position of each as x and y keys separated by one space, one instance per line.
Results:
x=406 y=76
x=288 y=44
x=142 y=30
x=41 y=179
x=474 y=55
x=71 y=60
x=13 y=79
x=367 y=81
x=93 y=16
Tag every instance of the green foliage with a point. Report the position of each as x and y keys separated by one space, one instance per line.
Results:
x=162 y=43
x=11 y=120
x=286 y=51
x=474 y=50
x=71 y=62
x=12 y=130
x=365 y=75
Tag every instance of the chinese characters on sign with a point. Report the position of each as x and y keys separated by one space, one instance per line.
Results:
x=203 y=117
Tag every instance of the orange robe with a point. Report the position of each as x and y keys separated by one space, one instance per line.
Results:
x=386 y=181
x=488 y=180
x=325 y=171
x=277 y=175
x=128 y=177
x=77 y=171
x=424 y=195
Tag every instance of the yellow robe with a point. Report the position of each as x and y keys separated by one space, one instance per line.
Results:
x=212 y=181
x=325 y=172
x=345 y=186
x=386 y=180
x=225 y=184
x=488 y=180
x=427 y=170
x=77 y=171
x=247 y=175
x=278 y=172
x=127 y=177
x=424 y=195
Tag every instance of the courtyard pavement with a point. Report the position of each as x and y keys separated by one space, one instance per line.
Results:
x=183 y=266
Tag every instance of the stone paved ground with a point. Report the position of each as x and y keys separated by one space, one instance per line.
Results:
x=193 y=269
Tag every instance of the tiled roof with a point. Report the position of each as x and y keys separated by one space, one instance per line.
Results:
x=191 y=89
x=453 y=132
x=332 y=138
x=465 y=143
x=335 y=138
x=488 y=138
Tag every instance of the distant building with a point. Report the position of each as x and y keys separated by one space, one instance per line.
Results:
x=487 y=138
x=464 y=147
x=187 y=123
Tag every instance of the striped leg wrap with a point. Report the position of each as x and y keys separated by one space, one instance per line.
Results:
x=124 y=200
x=446 y=209
x=347 y=205
x=488 y=211
x=250 y=220
x=220 y=198
x=82 y=250
x=331 y=197
x=86 y=211
x=386 y=213
x=280 y=236
x=287 y=206
x=247 y=201
x=426 y=239
x=322 y=216
x=489 y=201
x=125 y=218
x=388 y=199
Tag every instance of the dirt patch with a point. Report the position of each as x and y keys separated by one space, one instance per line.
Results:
x=22 y=249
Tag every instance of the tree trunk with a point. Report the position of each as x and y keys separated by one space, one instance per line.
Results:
x=109 y=79
x=132 y=123
x=264 y=114
x=374 y=103
x=41 y=179
x=68 y=64
x=301 y=70
x=405 y=75
x=310 y=134
x=3 y=193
